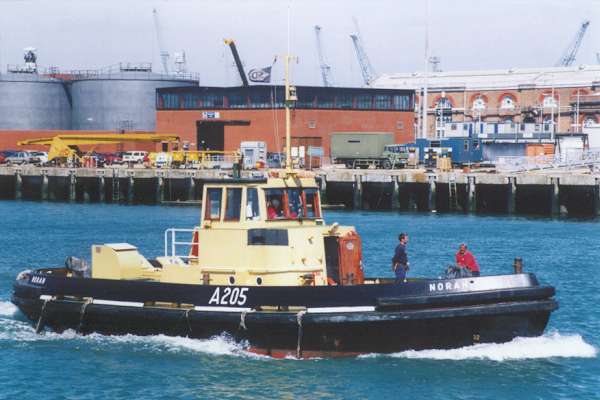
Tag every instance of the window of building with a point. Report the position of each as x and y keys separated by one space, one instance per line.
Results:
x=211 y=101
x=252 y=208
x=237 y=101
x=549 y=102
x=233 y=204
x=507 y=103
x=213 y=204
x=466 y=145
x=325 y=100
x=589 y=121
x=401 y=102
x=343 y=101
x=260 y=100
x=364 y=102
x=382 y=102
x=479 y=103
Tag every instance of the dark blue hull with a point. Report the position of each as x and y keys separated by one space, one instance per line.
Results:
x=302 y=321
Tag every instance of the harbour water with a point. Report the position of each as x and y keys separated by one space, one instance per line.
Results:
x=562 y=364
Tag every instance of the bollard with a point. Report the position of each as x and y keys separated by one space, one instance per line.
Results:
x=518 y=265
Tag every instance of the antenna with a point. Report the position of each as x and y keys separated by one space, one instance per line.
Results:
x=570 y=52
x=367 y=70
x=164 y=54
x=435 y=62
x=325 y=68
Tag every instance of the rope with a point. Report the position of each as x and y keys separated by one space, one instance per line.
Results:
x=187 y=318
x=40 y=323
x=300 y=333
x=82 y=314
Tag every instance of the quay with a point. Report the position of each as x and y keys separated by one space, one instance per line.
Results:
x=573 y=193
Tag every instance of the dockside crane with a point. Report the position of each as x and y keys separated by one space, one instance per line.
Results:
x=238 y=61
x=325 y=68
x=164 y=54
x=570 y=52
x=367 y=70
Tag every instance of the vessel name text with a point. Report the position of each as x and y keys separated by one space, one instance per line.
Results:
x=442 y=286
x=230 y=296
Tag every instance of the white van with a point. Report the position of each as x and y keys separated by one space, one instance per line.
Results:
x=134 y=156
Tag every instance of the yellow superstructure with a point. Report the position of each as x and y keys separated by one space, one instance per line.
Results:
x=251 y=233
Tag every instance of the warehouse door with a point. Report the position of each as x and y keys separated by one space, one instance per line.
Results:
x=210 y=135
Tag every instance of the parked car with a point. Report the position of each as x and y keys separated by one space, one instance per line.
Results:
x=19 y=158
x=113 y=158
x=4 y=154
x=39 y=157
x=135 y=157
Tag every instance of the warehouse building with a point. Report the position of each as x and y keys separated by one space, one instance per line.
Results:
x=219 y=118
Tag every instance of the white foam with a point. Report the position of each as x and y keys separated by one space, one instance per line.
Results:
x=7 y=309
x=547 y=346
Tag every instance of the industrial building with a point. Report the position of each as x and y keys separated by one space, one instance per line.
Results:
x=219 y=118
x=119 y=98
x=532 y=95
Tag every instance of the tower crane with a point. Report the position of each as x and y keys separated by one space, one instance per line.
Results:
x=164 y=55
x=367 y=70
x=238 y=61
x=570 y=52
x=325 y=68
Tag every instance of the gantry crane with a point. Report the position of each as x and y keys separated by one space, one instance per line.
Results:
x=570 y=53
x=238 y=61
x=367 y=70
x=325 y=68
x=164 y=54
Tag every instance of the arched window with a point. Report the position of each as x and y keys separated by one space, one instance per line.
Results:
x=549 y=102
x=507 y=103
x=589 y=120
x=443 y=103
x=479 y=103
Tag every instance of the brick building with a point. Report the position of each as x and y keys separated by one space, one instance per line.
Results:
x=219 y=118
x=534 y=95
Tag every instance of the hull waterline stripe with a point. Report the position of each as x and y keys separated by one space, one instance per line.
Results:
x=117 y=303
x=226 y=309
x=339 y=309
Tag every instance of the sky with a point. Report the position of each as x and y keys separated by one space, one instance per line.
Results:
x=465 y=34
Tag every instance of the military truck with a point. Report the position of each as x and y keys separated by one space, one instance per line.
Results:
x=367 y=149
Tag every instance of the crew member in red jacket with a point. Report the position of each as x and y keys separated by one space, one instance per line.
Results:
x=465 y=259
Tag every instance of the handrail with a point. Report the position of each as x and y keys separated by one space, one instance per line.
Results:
x=172 y=243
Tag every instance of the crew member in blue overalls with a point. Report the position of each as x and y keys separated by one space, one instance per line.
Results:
x=400 y=260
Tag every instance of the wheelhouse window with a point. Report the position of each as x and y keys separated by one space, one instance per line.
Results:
x=252 y=209
x=312 y=203
x=292 y=203
x=275 y=203
x=234 y=204
x=213 y=204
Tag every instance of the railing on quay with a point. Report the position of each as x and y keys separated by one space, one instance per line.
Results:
x=567 y=160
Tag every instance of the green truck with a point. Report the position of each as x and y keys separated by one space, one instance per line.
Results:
x=368 y=149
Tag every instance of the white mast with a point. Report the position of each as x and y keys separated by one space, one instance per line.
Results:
x=426 y=81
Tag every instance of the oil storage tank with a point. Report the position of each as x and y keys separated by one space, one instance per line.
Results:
x=29 y=101
x=122 y=99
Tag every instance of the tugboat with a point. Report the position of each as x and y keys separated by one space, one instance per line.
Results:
x=264 y=268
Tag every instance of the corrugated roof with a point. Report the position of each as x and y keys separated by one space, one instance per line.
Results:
x=497 y=79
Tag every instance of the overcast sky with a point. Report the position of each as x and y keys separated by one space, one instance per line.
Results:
x=465 y=34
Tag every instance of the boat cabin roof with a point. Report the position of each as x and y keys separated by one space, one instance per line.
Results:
x=291 y=199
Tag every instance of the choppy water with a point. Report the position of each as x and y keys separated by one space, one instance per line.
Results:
x=561 y=364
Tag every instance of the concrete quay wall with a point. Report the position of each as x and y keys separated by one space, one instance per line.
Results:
x=576 y=194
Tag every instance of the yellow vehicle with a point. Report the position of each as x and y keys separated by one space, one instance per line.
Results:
x=68 y=146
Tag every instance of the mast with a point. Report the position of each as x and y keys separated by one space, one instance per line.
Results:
x=290 y=98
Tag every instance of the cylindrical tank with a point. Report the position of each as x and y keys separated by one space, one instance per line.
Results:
x=31 y=101
x=124 y=100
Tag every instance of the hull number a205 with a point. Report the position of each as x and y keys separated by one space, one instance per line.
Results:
x=229 y=297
